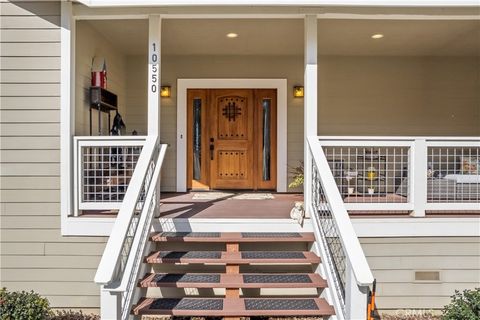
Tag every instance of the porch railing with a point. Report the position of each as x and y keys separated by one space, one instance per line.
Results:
x=413 y=174
x=121 y=262
x=346 y=267
x=103 y=169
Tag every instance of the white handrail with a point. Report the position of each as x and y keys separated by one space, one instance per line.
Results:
x=127 y=285
x=111 y=255
x=351 y=245
x=136 y=244
x=396 y=138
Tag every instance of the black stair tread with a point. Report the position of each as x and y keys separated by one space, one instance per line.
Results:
x=247 y=280
x=234 y=237
x=218 y=307
x=244 y=257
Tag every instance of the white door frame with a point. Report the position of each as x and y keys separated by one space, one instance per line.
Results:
x=184 y=84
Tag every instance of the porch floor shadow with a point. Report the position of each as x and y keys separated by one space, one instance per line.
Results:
x=184 y=205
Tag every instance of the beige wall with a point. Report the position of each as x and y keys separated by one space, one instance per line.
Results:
x=357 y=95
x=399 y=96
x=394 y=261
x=90 y=43
x=33 y=254
x=174 y=68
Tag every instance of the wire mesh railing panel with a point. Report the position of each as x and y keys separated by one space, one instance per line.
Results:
x=106 y=172
x=134 y=222
x=336 y=258
x=370 y=174
x=137 y=257
x=453 y=175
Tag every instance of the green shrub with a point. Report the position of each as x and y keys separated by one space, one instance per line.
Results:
x=23 y=306
x=464 y=306
x=73 y=315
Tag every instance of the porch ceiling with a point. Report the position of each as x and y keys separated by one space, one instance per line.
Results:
x=285 y=37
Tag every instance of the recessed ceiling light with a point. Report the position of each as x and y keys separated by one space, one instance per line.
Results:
x=232 y=35
x=377 y=36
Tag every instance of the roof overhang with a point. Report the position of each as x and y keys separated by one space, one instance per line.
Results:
x=315 y=3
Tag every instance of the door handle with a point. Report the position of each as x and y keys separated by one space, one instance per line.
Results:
x=212 y=148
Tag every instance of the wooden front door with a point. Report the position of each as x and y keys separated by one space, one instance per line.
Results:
x=231 y=139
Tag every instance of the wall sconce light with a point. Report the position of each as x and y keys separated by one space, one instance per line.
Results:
x=165 y=91
x=298 y=91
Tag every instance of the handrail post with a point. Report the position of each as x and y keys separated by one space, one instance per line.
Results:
x=310 y=100
x=355 y=295
x=418 y=177
x=110 y=304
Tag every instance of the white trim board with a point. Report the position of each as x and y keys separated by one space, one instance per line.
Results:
x=364 y=227
x=184 y=84
x=363 y=3
x=417 y=227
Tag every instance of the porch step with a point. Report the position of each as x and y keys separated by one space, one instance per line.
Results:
x=240 y=258
x=246 y=280
x=233 y=237
x=273 y=280
x=221 y=307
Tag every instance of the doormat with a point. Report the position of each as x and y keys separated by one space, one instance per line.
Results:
x=253 y=196
x=211 y=195
x=234 y=196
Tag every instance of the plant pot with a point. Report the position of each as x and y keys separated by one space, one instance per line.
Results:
x=351 y=190
x=371 y=190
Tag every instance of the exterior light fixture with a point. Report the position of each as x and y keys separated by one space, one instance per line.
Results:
x=232 y=35
x=298 y=91
x=165 y=91
x=377 y=36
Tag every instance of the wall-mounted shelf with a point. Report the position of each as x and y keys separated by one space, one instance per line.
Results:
x=102 y=100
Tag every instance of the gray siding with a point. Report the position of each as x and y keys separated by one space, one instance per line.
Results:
x=394 y=261
x=34 y=255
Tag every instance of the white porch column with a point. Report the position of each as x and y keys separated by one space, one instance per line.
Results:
x=355 y=296
x=154 y=74
x=154 y=84
x=310 y=99
x=418 y=177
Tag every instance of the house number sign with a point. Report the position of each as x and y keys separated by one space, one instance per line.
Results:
x=154 y=66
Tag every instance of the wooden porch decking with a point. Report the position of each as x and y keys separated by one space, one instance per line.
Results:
x=183 y=205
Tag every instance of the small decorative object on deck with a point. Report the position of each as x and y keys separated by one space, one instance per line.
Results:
x=371 y=173
x=118 y=125
x=298 y=212
x=349 y=176
x=99 y=72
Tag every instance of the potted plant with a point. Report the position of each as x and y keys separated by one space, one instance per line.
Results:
x=297 y=175
x=350 y=174
x=371 y=190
